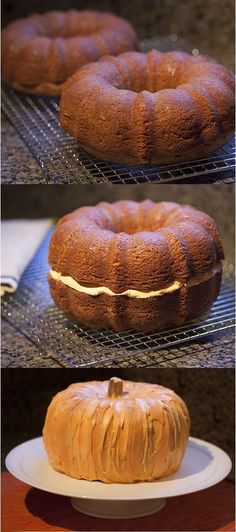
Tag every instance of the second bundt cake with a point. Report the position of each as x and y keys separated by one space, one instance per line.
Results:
x=40 y=52
x=140 y=266
x=150 y=108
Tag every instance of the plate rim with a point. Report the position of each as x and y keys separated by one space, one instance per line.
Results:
x=215 y=478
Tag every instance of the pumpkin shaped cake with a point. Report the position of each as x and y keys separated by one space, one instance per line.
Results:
x=116 y=431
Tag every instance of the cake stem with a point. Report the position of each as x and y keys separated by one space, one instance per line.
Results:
x=115 y=388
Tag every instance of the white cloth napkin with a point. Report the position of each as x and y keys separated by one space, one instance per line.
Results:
x=20 y=240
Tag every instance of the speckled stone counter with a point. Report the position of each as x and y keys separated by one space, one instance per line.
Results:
x=18 y=165
x=213 y=351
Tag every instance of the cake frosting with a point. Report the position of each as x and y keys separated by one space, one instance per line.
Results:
x=116 y=431
x=96 y=291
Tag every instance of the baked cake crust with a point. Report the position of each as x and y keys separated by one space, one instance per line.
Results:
x=40 y=52
x=150 y=108
x=136 y=246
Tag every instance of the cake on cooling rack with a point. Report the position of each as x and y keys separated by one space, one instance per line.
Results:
x=116 y=431
x=40 y=52
x=150 y=108
x=140 y=266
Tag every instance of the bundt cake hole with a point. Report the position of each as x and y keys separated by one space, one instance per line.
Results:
x=138 y=77
x=68 y=33
x=79 y=31
x=134 y=224
x=66 y=24
x=149 y=85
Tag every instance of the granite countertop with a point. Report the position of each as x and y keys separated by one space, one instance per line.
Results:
x=18 y=165
x=216 y=350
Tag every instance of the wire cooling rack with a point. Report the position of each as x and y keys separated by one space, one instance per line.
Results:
x=32 y=312
x=63 y=161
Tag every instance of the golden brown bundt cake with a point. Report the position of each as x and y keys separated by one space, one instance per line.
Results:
x=116 y=431
x=40 y=52
x=129 y=265
x=151 y=108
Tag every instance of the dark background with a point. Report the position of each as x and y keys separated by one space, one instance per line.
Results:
x=209 y=395
x=55 y=201
x=206 y=25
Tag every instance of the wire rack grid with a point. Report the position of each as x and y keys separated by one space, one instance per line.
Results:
x=32 y=312
x=64 y=162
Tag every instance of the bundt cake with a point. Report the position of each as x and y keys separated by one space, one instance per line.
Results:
x=40 y=52
x=116 y=431
x=151 y=108
x=140 y=266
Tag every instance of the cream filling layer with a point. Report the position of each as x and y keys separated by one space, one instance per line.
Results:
x=96 y=291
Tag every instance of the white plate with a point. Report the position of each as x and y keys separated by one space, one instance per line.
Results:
x=203 y=466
